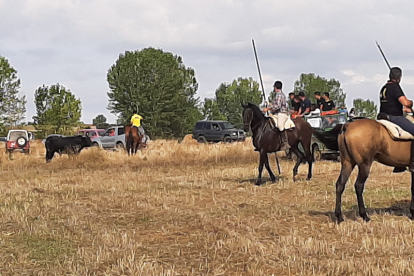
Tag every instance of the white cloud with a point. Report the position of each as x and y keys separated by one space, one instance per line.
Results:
x=74 y=42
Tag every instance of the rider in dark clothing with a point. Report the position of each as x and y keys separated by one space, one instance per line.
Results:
x=319 y=100
x=327 y=104
x=393 y=100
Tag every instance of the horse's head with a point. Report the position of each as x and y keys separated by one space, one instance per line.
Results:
x=247 y=117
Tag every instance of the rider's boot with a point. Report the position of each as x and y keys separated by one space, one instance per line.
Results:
x=284 y=143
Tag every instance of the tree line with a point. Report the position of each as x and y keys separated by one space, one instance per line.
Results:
x=158 y=86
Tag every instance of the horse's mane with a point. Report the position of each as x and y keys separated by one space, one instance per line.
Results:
x=256 y=110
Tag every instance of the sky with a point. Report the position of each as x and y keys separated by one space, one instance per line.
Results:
x=75 y=42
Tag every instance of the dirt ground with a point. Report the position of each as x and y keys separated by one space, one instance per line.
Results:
x=193 y=209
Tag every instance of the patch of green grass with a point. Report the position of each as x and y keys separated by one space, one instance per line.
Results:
x=45 y=249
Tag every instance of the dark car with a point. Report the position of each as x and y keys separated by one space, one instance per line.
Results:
x=216 y=131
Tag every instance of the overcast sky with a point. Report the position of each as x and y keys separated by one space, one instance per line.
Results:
x=74 y=42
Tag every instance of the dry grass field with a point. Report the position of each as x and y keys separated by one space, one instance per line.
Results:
x=192 y=209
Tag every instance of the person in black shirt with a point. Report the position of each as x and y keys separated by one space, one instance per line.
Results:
x=305 y=105
x=319 y=100
x=291 y=101
x=297 y=101
x=392 y=102
x=327 y=105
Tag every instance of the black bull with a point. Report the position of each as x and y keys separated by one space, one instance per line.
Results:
x=70 y=145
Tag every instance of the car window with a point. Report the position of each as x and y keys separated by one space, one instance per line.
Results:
x=121 y=131
x=227 y=125
x=199 y=126
x=108 y=131
x=16 y=134
x=90 y=133
x=101 y=133
x=215 y=127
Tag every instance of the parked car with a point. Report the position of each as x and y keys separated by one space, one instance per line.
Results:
x=114 y=137
x=91 y=133
x=216 y=131
x=18 y=140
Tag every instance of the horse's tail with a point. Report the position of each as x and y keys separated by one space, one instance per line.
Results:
x=329 y=138
x=342 y=140
x=129 y=141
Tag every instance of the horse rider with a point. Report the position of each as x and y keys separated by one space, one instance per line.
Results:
x=279 y=108
x=392 y=104
x=136 y=122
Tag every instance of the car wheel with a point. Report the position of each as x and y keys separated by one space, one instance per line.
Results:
x=94 y=144
x=316 y=153
x=21 y=141
x=227 y=139
x=201 y=139
x=119 y=146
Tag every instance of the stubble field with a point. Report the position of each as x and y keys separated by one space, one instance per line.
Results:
x=192 y=209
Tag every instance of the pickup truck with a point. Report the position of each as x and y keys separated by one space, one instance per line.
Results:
x=114 y=137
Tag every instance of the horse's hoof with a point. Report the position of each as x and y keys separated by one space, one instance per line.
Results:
x=258 y=183
x=308 y=178
x=339 y=220
x=366 y=218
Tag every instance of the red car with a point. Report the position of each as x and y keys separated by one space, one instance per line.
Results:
x=18 y=140
x=91 y=133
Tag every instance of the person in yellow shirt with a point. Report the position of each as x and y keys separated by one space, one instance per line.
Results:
x=136 y=122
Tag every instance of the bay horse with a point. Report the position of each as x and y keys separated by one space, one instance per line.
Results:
x=266 y=140
x=361 y=143
x=132 y=139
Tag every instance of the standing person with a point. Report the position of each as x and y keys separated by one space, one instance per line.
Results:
x=279 y=108
x=327 y=105
x=342 y=109
x=319 y=100
x=291 y=102
x=305 y=105
x=392 y=102
x=136 y=122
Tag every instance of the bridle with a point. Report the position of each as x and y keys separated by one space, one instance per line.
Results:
x=248 y=121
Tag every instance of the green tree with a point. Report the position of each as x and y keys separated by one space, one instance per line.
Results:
x=12 y=105
x=160 y=86
x=100 y=119
x=228 y=98
x=56 y=106
x=211 y=110
x=365 y=108
x=310 y=83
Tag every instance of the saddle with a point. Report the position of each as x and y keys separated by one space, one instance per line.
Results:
x=273 y=122
x=396 y=132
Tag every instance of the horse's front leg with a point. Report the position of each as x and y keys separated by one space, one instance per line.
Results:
x=412 y=195
x=261 y=162
x=269 y=170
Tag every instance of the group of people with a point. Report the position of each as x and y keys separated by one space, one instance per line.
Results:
x=300 y=106
x=393 y=105
x=297 y=106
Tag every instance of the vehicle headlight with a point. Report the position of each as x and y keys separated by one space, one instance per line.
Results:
x=234 y=133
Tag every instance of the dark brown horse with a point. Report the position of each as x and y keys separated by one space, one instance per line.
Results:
x=266 y=140
x=361 y=143
x=132 y=139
